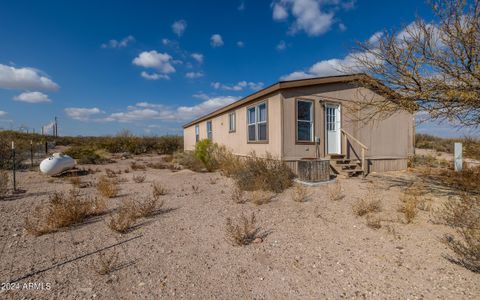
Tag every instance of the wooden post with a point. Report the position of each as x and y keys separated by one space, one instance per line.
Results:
x=31 y=153
x=344 y=146
x=363 y=162
x=457 y=156
x=13 y=167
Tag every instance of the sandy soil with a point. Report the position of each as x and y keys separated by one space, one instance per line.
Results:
x=314 y=250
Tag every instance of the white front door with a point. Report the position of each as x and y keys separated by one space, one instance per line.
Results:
x=332 y=126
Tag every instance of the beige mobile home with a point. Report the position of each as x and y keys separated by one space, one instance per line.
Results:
x=310 y=119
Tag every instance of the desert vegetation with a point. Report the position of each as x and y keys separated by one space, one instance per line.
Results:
x=107 y=187
x=242 y=232
x=471 y=146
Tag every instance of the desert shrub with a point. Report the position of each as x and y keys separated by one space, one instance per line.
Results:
x=243 y=233
x=429 y=161
x=62 y=210
x=188 y=160
x=463 y=214
x=87 y=155
x=205 y=152
x=253 y=173
x=260 y=197
x=466 y=180
x=147 y=207
x=300 y=193
x=374 y=222
x=3 y=184
x=158 y=190
x=471 y=145
x=139 y=178
x=237 y=196
x=137 y=167
x=107 y=187
x=169 y=144
x=105 y=264
x=125 y=217
x=335 y=192
x=368 y=204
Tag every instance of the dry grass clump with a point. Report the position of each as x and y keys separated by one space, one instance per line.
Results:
x=105 y=264
x=260 y=197
x=188 y=160
x=111 y=173
x=335 y=191
x=368 y=204
x=62 y=210
x=374 y=221
x=467 y=180
x=139 y=178
x=463 y=214
x=158 y=190
x=137 y=167
x=107 y=187
x=124 y=219
x=242 y=233
x=3 y=184
x=237 y=196
x=300 y=193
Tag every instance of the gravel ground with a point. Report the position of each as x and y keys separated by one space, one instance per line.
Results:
x=313 y=250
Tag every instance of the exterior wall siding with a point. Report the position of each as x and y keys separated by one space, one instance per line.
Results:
x=237 y=141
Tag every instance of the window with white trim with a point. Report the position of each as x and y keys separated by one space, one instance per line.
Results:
x=257 y=129
x=209 y=130
x=304 y=121
x=232 y=119
x=197 y=133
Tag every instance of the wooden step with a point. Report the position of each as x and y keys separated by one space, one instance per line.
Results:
x=348 y=166
x=336 y=156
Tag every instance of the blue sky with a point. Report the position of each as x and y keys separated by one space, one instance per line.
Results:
x=150 y=66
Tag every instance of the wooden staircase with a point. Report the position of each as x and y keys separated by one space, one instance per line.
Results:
x=346 y=166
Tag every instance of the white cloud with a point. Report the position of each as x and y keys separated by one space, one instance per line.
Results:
x=342 y=27
x=32 y=97
x=178 y=27
x=82 y=114
x=335 y=66
x=198 y=57
x=154 y=76
x=3 y=113
x=281 y=46
x=201 y=95
x=25 y=79
x=240 y=44
x=279 y=12
x=314 y=17
x=190 y=112
x=162 y=62
x=375 y=37
x=241 y=7
x=216 y=40
x=119 y=44
x=193 y=75
x=237 y=87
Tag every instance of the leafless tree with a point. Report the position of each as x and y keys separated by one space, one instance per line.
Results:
x=431 y=67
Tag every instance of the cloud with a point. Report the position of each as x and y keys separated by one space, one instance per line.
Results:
x=25 y=79
x=2 y=113
x=342 y=27
x=201 y=95
x=281 y=46
x=241 y=7
x=162 y=62
x=148 y=111
x=216 y=40
x=154 y=76
x=237 y=87
x=334 y=66
x=82 y=114
x=193 y=75
x=178 y=27
x=198 y=57
x=375 y=37
x=32 y=97
x=240 y=44
x=119 y=44
x=314 y=17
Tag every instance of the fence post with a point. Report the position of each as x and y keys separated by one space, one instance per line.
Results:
x=457 y=156
x=31 y=153
x=14 y=175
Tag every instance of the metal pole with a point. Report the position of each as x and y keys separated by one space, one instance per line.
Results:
x=31 y=153
x=14 y=177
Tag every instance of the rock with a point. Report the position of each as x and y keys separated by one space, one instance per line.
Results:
x=257 y=240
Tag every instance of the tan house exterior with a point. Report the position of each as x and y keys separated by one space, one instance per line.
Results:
x=309 y=118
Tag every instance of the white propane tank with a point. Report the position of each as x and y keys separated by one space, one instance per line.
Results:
x=56 y=164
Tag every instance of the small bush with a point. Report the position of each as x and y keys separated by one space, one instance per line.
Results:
x=137 y=167
x=87 y=155
x=147 y=207
x=410 y=200
x=158 y=190
x=62 y=210
x=260 y=197
x=105 y=264
x=243 y=233
x=300 y=193
x=467 y=180
x=369 y=204
x=107 y=188
x=335 y=192
x=139 y=178
x=124 y=219
x=110 y=173
x=237 y=196
x=3 y=184
x=188 y=160
x=205 y=152
x=374 y=222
